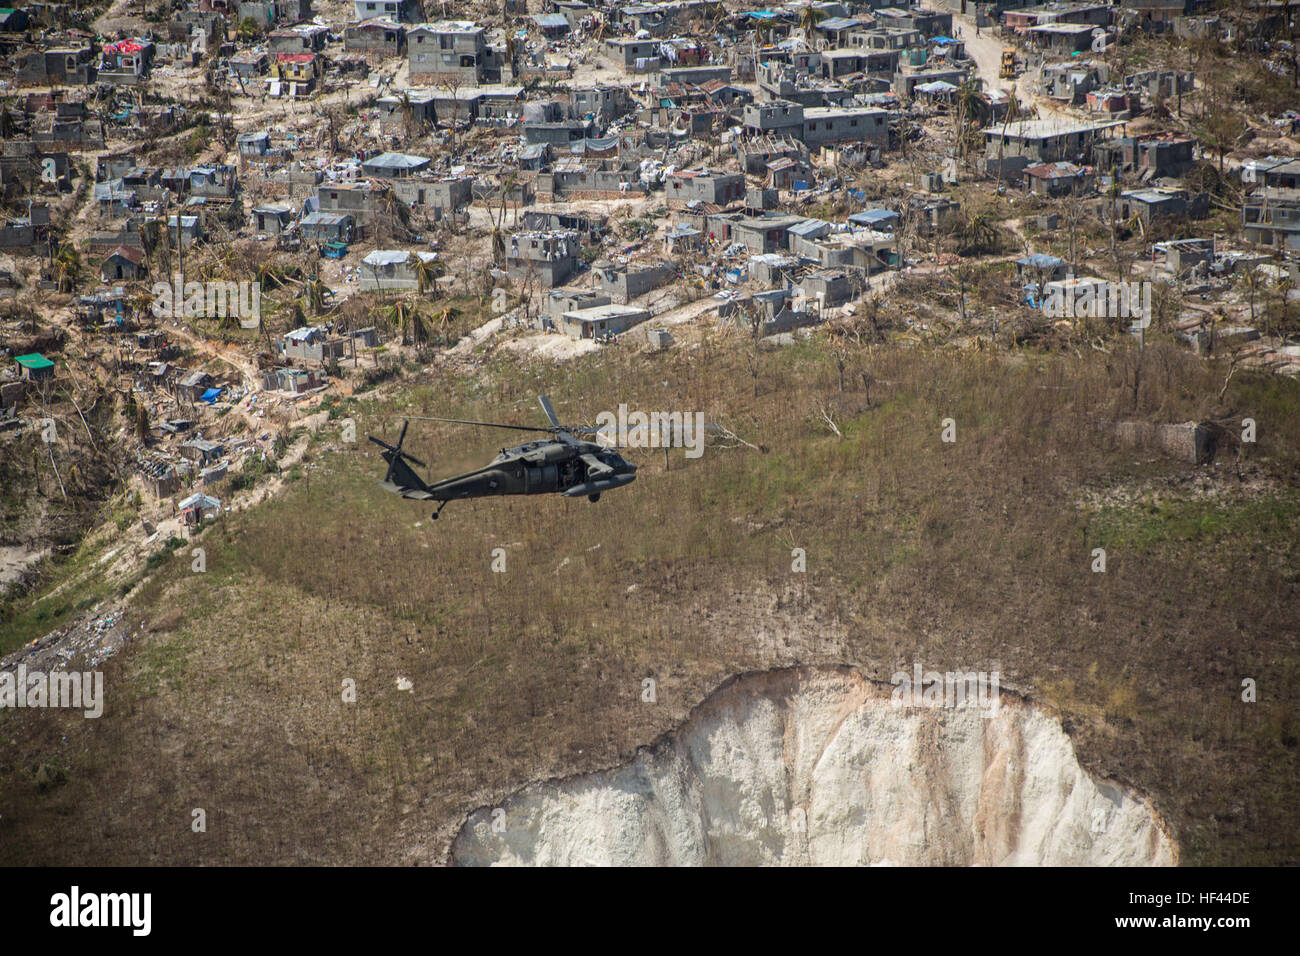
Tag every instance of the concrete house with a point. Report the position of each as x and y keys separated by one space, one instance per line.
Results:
x=300 y=38
x=126 y=62
x=774 y=118
x=313 y=344
x=380 y=37
x=411 y=183
x=60 y=66
x=693 y=75
x=249 y=64
x=927 y=22
x=389 y=270
x=1151 y=204
x=601 y=320
x=398 y=11
x=123 y=264
x=213 y=182
x=394 y=165
x=601 y=103
x=1058 y=179
x=549 y=256
x=200 y=450
x=451 y=51
x=1063 y=38
x=417 y=105
x=1270 y=216
x=269 y=13
x=634 y=56
x=1149 y=157
x=253 y=144
x=829 y=124
x=827 y=287
x=328 y=227
x=758 y=234
x=294 y=74
x=560 y=301
x=271 y=219
x=718 y=188
x=559 y=133
x=1030 y=142
x=861 y=250
x=1071 y=81
x=625 y=283
x=365 y=202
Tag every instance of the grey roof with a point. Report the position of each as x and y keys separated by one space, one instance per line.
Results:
x=873 y=215
x=1040 y=260
x=809 y=227
x=394 y=257
x=1148 y=195
x=325 y=219
x=200 y=500
x=398 y=161
x=305 y=334
x=837 y=23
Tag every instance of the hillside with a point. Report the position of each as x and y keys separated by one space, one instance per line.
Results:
x=227 y=694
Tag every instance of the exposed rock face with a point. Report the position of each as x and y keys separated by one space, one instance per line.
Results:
x=814 y=766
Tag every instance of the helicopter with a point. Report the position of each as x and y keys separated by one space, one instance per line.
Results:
x=561 y=464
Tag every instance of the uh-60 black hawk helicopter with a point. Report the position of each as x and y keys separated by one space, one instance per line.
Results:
x=561 y=464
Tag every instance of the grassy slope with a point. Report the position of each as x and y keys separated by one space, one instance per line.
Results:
x=973 y=555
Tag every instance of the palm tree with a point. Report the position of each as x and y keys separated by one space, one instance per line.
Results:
x=68 y=263
x=444 y=326
x=316 y=291
x=1013 y=112
x=809 y=19
x=498 y=237
x=407 y=318
x=512 y=53
x=425 y=275
x=297 y=317
x=976 y=234
x=969 y=109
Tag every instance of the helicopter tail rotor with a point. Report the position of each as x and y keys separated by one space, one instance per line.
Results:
x=399 y=472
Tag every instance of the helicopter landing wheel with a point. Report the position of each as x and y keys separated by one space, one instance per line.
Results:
x=595 y=497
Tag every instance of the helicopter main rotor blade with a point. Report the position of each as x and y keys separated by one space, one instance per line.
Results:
x=561 y=431
x=550 y=412
x=465 y=421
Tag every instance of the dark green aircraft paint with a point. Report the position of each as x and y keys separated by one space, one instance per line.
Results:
x=560 y=465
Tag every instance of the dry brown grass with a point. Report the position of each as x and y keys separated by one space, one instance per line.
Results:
x=966 y=556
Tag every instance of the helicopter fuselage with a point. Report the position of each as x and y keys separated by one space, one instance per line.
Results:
x=541 y=467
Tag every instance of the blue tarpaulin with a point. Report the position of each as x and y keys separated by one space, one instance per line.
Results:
x=210 y=396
